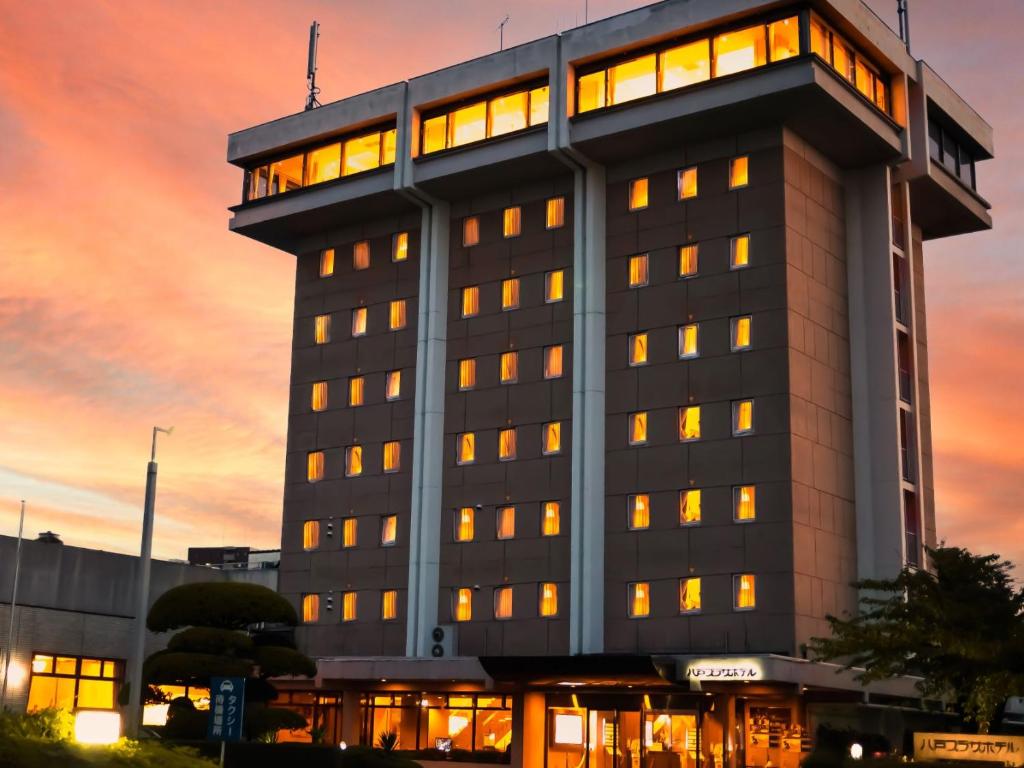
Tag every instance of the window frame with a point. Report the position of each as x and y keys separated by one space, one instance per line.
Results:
x=631 y=594
x=737 y=407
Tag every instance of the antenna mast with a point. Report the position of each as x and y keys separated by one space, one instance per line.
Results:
x=311 y=100
x=501 y=32
x=904 y=14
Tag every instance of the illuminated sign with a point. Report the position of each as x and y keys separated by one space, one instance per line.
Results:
x=723 y=670
x=985 y=748
x=568 y=729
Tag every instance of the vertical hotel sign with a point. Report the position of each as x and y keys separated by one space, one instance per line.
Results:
x=983 y=748
x=227 y=708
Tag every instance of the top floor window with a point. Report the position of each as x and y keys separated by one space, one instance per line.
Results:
x=485 y=119
x=946 y=150
x=364 y=152
x=849 y=63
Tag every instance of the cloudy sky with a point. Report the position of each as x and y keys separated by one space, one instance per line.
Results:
x=125 y=302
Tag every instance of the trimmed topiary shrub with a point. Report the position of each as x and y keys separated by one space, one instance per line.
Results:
x=224 y=605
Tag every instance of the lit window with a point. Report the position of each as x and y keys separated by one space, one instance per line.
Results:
x=315 y=466
x=323 y=164
x=510 y=293
x=744 y=591
x=638 y=349
x=470 y=230
x=311 y=534
x=689 y=595
x=392 y=456
x=349 y=532
x=685 y=65
x=633 y=79
x=54 y=681
x=393 y=385
x=548 y=599
x=552 y=437
x=509 y=367
x=744 y=502
x=435 y=132
x=361 y=255
x=356 y=390
x=503 y=603
x=551 y=517
x=689 y=423
x=467 y=124
x=310 y=608
x=396 y=315
x=354 y=461
x=467 y=373
x=553 y=362
x=507 y=444
x=740 y=333
x=555 y=214
x=784 y=39
x=639 y=600
x=467 y=448
x=637 y=194
x=348 y=606
x=686 y=183
x=689 y=337
x=688 y=260
x=318 y=400
x=819 y=38
x=462 y=607
x=512 y=221
x=539 y=105
x=689 y=506
x=322 y=329
x=639 y=509
x=506 y=522
x=638 y=273
x=638 y=428
x=389 y=604
x=400 y=246
x=471 y=301
x=360 y=154
x=554 y=286
x=740 y=50
x=326 y=262
x=388 y=146
x=739 y=252
x=388 y=530
x=738 y=172
x=507 y=113
x=359 y=321
x=743 y=417
x=591 y=92
x=464 y=523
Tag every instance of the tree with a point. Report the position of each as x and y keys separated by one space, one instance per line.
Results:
x=223 y=632
x=960 y=627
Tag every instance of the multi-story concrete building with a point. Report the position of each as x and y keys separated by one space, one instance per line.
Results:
x=610 y=376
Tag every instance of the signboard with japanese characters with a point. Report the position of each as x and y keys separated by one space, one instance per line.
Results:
x=984 y=748
x=227 y=708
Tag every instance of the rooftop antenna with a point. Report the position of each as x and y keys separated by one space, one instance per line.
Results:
x=586 y=11
x=904 y=14
x=311 y=100
x=501 y=32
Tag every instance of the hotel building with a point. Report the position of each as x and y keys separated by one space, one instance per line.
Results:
x=609 y=376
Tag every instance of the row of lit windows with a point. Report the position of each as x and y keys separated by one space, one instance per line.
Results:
x=319 y=397
x=392 y=461
x=509 y=367
x=849 y=63
x=464 y=526
x=361 y=254
x=512 y=221
x=551 y=443
x=689 y=422
x=349 y=606
x=686 y=183
x=397 y=320
x=485 y=119
x=311 y=531
x=744 y=595
x=72 y=682
x=744 y=507
x=689 y=341
x=554 y=291
x=688 y=64
x=326 y=163
x=639 y=266
x=462 y=602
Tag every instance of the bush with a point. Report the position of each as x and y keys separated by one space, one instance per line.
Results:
x=222 y=605
x=216 y=642
x=263 y=723
x=25 y=752
x=51 y=724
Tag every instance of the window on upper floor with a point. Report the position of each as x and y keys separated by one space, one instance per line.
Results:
x=639 y=593
x=510 y=293
x=689 y=595
x=739 y=252
x=322 y=329
x=744 y=503
x=637 y=194
x=485 y=119
x=638 y=349
x=689 y=506
x=326 y=262
x=361 y=255
x=400 y=246
x=638 y=271
x=554 y=214
x=739 y=172
x=470 y=230
x=512 y=221
x=548 y=599
x=310 y=609
x=396 y=315
x=471 y=301
x=318 y=398
x=554 y=286
x=359 y=321
x=688 y=260
x=506 y=522
x=349 y=606
x=388 y=530
x=389 y=604
x=356 y=391
x=462 y=604
x=392 y=456
x=550 y=522
x=553 y=362
x=739 y=333
x=465 y=518
x=507 y=444
x=467 y=373
x=311 y=534
x=466 y=445
x=686 y=183
x=638 y=428
x=509 y=367
x=744 y=589
x=393 y=385
x=349 y=532
x=742 y=417
x=314 y=466
x=353 y=461
x=503 y=602
x=851 y=65
x=638 y=511
x=689 y=341
x=552 y=438
x=689 y=423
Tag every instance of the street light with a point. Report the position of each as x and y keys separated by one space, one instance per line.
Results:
x=135 y=700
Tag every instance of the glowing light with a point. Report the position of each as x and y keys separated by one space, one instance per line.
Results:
x=17 y=674
x=568 y=729
x=155 y=714
x=856 y=751
x=95 y=727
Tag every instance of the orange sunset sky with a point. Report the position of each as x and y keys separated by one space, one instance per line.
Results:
x=125 y=302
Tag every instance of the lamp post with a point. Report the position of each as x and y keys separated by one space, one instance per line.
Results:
x=135 y=700
x=14 y=602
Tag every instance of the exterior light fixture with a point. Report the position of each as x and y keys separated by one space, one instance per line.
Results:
x=97 y=726
x=856 y=751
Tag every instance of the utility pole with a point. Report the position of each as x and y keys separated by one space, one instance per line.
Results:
x=14 y=603
x=135 y=686
x=501 y=33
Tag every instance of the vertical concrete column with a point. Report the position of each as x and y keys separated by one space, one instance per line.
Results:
x=874 y=374
x=350 y=718
x=528 y=741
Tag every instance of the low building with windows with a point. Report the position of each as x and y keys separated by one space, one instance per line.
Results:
x=74 y=622
x=609 y=376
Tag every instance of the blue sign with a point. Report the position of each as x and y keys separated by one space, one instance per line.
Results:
x=227 y=708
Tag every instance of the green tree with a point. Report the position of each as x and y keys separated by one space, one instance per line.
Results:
x=959 y=626
x=230 y=629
